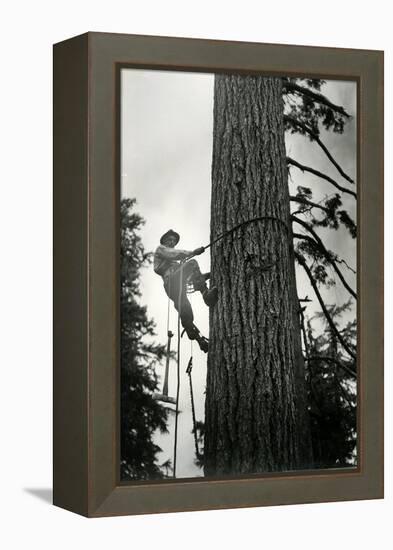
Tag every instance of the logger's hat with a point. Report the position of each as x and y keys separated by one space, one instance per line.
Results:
x=170 y=233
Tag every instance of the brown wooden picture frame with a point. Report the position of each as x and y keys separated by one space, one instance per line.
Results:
x=86 y=274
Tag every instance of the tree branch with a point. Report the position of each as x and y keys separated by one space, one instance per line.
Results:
x=329 y=319
x=306 y=202
x=319 y=98
x=310 y=239
x=304 y=168
x=344 y=395
x=318 y=241
x=342 y=261
x=303 y=330
x=316 y=138
x=332 y=360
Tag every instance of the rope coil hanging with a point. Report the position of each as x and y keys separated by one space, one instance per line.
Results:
x=194 y=424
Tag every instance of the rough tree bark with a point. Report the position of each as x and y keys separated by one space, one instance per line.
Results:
x=255 y=409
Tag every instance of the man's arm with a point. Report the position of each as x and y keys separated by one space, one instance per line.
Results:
x=172 y=253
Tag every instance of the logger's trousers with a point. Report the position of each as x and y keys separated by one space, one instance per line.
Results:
x=189 y=271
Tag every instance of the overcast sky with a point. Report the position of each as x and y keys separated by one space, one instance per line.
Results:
x=167 y=127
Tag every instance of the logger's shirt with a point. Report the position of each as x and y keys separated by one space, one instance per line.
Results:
x=166 y=259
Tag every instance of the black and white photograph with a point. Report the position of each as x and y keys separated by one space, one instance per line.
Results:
x=238 y=251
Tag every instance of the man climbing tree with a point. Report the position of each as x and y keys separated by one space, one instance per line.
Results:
x=255 y=412
x=176 y=276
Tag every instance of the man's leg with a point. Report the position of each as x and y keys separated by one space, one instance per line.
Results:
x=191 y=269
x=185 y=310
x=192 y=272
x=179 y=298
x=175 y=287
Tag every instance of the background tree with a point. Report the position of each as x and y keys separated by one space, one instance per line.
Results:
x=331 y=386
x=141 y=415
x=256 y=417
x=331 y=355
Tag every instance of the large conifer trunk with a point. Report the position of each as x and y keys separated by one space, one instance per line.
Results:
x=254 y=420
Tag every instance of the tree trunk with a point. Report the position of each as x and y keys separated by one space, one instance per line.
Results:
x=255 y=411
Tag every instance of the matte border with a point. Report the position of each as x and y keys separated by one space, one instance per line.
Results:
x=100 y=475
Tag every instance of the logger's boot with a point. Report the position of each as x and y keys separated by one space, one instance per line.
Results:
x=199 y=281
x=210 y=296
x=191 y=331
x=203 y=343
x=194 y=334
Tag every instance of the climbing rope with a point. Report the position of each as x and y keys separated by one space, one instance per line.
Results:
x=178 y=372
x=168 y=349
x=168 y=314
x=242 y=224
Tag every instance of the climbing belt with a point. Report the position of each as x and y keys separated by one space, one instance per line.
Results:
x=233 y=229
